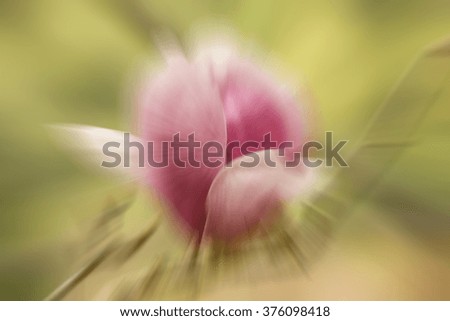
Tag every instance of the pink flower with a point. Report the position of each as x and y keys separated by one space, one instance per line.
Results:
x=220 y=98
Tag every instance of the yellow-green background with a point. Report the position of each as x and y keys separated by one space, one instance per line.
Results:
x=70 y=61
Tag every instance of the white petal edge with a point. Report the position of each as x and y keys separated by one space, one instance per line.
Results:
x=87 y=143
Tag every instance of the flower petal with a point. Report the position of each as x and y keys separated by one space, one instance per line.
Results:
x=254 y=104
x=180 y=100
x=87 y=143
x=244 y=196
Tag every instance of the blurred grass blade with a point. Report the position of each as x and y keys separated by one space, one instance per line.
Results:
x=81 y=275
